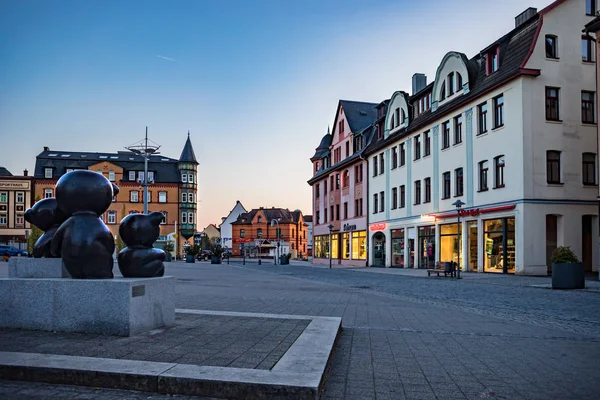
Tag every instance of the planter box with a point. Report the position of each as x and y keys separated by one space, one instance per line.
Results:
x=215 y=260
x=189 y=258
x=284 y=261
x=568 y=276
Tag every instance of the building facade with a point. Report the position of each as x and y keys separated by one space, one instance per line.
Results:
x=512 y=135
x=225 y=227
x=16 y=196
x=339 y=186
x=308 y=220
x=173 y=189
x=256 y=234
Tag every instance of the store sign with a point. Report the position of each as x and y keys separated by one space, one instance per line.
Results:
x=14 y=185
x=378 y=227
x=348 y=227
x=474 y=212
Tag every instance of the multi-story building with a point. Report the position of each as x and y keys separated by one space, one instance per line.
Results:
x=338 y=186
x=511 y=133
x=308 y=220
x=173 y=191
x=225 y=227
x=255 y=232
x=15 y=198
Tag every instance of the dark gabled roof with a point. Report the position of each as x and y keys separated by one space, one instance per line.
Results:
x=323 y=148
x=514 y=51
x=359 y=114
x=282 y=214
x=5 y=172
x=187 y=155
x=164 y=168
x=593 y=25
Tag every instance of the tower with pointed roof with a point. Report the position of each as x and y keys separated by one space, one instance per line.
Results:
x=188 y=172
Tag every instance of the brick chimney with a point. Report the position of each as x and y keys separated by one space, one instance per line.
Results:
x=25 y=172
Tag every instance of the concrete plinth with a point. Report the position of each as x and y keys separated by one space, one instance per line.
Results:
x=123 y=306
x=24 y=267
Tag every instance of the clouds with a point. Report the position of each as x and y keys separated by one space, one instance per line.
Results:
x=167 y=58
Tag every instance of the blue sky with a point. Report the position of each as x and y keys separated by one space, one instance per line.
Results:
x=255 y=82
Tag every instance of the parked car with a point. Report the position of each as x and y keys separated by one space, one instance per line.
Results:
x=204 y=255
x=12 y=252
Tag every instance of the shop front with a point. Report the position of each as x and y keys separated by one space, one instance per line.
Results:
x=348 y=247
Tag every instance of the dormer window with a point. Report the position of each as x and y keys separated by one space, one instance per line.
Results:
x=48 y=173
x=493 y=60
x=403 y=115
x=450 y=83
x=459 y=82
x=397 y=114
x=443 y=91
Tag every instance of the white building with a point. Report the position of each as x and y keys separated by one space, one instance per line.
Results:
x=511 y=133
x=225 y=227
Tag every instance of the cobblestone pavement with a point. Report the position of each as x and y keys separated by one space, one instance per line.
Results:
x=417 y=338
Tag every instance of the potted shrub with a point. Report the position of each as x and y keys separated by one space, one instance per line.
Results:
x=216 y=255
x=567 y=270
x=284 y=259
x=191 y=252
x=168 y=248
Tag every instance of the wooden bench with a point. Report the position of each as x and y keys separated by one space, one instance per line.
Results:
x=443 y=267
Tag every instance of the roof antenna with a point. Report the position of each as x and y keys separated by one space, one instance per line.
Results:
x=188 y=133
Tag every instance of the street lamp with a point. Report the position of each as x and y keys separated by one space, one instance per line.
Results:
x=273 y=221
x=458 y=204
x=143 y=149
x=330 y=228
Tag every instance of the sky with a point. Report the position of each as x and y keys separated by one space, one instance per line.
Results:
x=256 y=83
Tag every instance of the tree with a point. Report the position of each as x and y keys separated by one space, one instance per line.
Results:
x=34 y=235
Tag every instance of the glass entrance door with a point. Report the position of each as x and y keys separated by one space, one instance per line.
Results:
x=473 y=249
x=410 y=248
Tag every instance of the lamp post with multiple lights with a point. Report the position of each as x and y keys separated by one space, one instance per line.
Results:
x=330 y=250
x=145 y=150
x=458 y=204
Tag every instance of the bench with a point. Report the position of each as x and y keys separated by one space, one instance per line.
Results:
x=443 y=267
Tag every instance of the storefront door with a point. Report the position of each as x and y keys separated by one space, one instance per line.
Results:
x=427 y=246
x=472 y=242
x=398 y=248
x=499 y=242
x=410 y=248
x=379 y=250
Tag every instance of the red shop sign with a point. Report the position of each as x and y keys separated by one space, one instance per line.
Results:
x=474 y=212
x=378 y=227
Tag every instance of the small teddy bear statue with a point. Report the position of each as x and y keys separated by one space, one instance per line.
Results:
x=46 y=215
x=139 y=259
x=84 y=242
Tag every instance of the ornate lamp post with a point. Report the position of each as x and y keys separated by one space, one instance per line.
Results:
x=145 y=150
x=273 y=221
x=330 y=249
x=458 y=204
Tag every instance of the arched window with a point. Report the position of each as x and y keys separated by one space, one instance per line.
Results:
x=403 y=119
x=450 y=83
x=397 y=114
x=459 y=82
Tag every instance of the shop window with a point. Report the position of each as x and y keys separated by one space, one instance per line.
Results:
x=397 y=247
x=359 y=245
x=346 y=246
x=450 y=242
x=499 y=245
x=335 y=248
x=427 y=246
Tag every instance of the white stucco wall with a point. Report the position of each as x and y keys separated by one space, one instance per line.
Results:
x=225 y=227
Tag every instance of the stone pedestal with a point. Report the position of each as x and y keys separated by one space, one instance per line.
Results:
x=122 y=306
x=24 y=267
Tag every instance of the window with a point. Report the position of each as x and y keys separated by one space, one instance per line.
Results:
x=346 y=178
x=498 y=111
x=111 y=218
x=587 y=107
x=427 y=190
x=443 y=91
x=394 y=198
x=347 y=149
x=358 y=207
x=191 y=197
x=445 y=135
x=397 y=116
x=346 y=210
x=337 y=212
x=242 y=233
x=587 y=50
x=48 y=193
x=459 y=82
x=140 y=176
x=164 y=220
x=589 y=168
x=417 y=147
x=332 y=214
x=111 y=176
x=184 y=178
x=325 y=186
x=332 y=182
x=381 y=201
x=151 y=176
x=553 y=167
x=402 y=155
x=375 y=166
x=427 y=143
x=133 y=196
x=20 y=197
x=482 y=111
x=381 y=164
x=394 y=157
x=357 y=142
x=375 y=203
x=417 y=192
x=162 y=197
x=132 y=175
x=483 y=175
x=358 y=173
x=590 y=7
x=3 y=219
x=325 y=215
x=190 y=217
x=184 y=218
x=495 y=61
x=359 y=245
x=3 y=197
x=499 y=172
x=552 y=111
x=184 y=197
x=48 y=173
x=99 y=171
x=450 y=83
x=337 y=181
x=446 y=183
x=317 y=190
x=458 y=129
x=318 y=217
x=259 y=233
x=19 y=220
x=551 y=51
x=458 y=182
x=402 y=196
x=190 y=177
